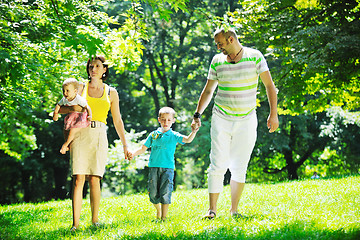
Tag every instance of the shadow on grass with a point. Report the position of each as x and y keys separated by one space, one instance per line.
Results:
x=295 y=231
x=18 y=218
x=298 y=230
x=13 y=224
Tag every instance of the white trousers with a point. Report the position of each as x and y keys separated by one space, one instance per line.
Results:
x=232 y=143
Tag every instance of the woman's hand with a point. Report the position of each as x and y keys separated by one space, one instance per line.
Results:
x=127 y=154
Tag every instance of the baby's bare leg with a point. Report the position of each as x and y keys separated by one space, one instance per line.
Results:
x=70 y=137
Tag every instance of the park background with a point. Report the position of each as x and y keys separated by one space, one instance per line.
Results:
x=159 y=53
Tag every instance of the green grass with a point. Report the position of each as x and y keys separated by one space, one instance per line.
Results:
x=311 y=209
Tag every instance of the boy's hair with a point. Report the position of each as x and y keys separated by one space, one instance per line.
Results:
x=71 y=81
x=167 y=110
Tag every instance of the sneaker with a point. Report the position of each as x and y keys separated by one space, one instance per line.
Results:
x=97 y=224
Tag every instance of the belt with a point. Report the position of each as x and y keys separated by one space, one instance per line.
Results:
x=97 y=124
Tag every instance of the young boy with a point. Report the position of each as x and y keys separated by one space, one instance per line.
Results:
x=161 y=163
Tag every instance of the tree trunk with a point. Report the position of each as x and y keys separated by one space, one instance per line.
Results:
x=25 y=181
x=60 y=178
x=291 y=166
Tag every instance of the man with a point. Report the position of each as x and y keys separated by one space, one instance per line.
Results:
x=235 y=72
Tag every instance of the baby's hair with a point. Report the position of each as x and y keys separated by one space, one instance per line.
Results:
x=71 y=81
x=167 y=110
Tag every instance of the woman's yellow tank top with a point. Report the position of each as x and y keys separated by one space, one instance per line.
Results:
x=99 y=106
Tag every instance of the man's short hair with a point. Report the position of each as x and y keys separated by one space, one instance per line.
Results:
x=230 y=32
x=167 y=110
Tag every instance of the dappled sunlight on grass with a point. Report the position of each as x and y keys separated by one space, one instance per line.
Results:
x=312 y=209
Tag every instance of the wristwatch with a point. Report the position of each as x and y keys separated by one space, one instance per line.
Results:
x=197 y=115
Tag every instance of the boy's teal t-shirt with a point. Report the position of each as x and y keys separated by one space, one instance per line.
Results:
x=163 y=147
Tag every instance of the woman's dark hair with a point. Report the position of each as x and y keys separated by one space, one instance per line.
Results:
x=102 y=59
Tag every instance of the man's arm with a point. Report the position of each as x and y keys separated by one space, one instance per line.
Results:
x=204 y=100
x=271 y=91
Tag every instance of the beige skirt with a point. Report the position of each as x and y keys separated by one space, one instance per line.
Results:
x=88 y=150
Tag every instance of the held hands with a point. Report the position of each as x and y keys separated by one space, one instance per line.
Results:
x=194 y=128
x=128 y=155
x=196 y=124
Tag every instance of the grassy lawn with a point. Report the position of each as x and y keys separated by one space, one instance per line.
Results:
x=311 y=209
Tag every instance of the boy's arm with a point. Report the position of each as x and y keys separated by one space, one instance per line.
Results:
x=139 y=151
x=191 y=136
x=56 y=112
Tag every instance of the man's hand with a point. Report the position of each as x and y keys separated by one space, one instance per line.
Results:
x=194 y=128
x=272 y=123
x=196 y=123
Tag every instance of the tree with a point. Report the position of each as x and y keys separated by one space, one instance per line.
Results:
x=312 y=50
x=41 y=44
x=175 y=63
x=298 y=140
x=312 y=47
x=343 y=128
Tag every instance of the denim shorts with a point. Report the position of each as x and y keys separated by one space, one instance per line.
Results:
x=160 y=185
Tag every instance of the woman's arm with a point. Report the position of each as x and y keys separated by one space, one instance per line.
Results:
x=118 y=122
x=88 y=109
x=69 y=109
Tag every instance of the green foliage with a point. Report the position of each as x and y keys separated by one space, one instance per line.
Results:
x=166 y=8
x=311 y=209
x=322 y=142
x=124 y=176
x=173 y=71
x=312 y=50
x=192 y=170
x=44 y=42
x=314 y=68
x=159 y=53
x=41 y=44
x=343 y=128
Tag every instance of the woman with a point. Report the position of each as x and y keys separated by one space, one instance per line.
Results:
x=88 y=151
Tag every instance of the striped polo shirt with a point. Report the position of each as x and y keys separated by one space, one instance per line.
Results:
x=237 y=83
